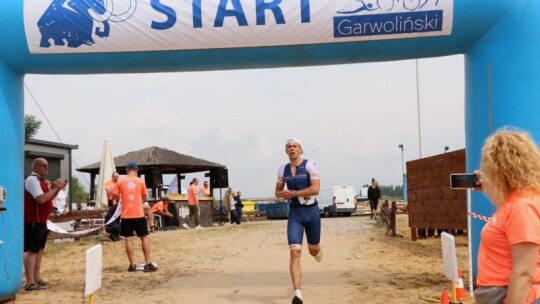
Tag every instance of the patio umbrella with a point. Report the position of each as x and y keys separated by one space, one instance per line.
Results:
x=106 y=169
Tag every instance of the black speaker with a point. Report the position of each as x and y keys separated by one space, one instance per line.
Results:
x=220 y=177
x=153 y=177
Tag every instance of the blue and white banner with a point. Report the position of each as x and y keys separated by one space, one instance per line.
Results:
x=88 y=26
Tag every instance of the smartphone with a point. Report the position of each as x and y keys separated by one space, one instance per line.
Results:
x=463 y=181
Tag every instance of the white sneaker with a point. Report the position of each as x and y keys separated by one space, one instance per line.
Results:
x=318 y=257
x=199 y=227
x=185 y=226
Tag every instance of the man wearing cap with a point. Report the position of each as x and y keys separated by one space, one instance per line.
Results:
x=303 y=182
x=161 y=208
x=132 y=191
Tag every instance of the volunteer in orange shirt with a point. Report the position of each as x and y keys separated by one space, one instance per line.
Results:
x=205 y=190
x=193 y=204
x=132 y=191
x=161 y=208
x=109 y=188
x=508 y=257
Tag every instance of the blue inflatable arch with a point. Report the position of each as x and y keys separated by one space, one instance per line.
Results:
x=499 y=38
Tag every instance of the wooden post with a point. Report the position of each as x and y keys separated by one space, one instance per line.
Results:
x=92 y=186
x=393 y=218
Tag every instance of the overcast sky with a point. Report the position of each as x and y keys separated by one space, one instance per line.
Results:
x=349 y=118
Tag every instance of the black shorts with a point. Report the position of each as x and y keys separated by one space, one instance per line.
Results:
x=35 y=236
x=137 y=225
x=373 y=204
x=110 y=203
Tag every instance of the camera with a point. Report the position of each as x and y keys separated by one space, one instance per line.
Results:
x=463 y=181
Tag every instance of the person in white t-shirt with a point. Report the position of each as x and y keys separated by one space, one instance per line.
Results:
x=59 y=202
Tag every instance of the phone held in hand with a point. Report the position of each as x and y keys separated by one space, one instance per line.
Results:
x=463 y=181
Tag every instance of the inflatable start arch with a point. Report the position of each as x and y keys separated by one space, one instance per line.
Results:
x=499 y=38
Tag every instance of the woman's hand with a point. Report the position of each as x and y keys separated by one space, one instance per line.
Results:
x=478 y=174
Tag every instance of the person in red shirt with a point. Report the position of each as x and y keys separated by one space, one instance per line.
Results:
x=508 y=257
x=132 y=192
x=193 y=204
x=38 y=205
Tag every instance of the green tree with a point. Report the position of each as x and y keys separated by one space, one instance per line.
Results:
x=78 y=195
x=31 y=126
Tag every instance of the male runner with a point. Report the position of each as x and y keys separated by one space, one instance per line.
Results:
x=303 y=182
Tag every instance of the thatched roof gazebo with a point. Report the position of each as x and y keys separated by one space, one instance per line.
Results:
x=155 y=161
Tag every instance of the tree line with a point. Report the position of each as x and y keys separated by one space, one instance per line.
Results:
x=389 y=190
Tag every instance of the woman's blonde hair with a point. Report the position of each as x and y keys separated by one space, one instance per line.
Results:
x=510 y=161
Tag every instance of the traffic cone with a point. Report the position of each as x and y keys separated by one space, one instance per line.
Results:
x=460 y=289
x=444 y=297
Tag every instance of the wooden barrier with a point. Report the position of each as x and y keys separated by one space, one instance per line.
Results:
x=84 y=219
x=433 y=205
x=388 y=216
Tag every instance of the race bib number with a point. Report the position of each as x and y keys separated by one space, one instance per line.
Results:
x=306 y=200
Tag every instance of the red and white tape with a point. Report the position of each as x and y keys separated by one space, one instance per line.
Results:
x=478 y=216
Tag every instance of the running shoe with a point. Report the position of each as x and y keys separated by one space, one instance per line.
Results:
x=185 y=226
x=199 y=227
x=33 y=286
x=297 y=300
x=318 y=257
x=132 y=268
x=150 y=267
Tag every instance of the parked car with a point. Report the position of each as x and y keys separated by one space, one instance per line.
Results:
x=337 y=200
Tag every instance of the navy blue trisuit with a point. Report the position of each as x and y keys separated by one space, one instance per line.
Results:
x=303 y=211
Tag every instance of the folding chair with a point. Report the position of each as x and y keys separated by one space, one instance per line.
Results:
x=159 y=221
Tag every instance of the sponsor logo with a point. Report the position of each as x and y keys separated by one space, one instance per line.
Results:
x=72 y=22
x=387 y=17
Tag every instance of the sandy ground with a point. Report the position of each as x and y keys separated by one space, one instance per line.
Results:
x=249 y=264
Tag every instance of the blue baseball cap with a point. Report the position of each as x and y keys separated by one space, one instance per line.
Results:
x=132 y=165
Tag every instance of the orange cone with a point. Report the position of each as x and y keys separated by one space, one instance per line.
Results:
x=460 y=289
x=444 y=297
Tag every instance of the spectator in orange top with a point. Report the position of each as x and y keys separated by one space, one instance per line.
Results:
x=132 y=191
x=508 y=258
x=193 y=204
x=161 y=208
x=109 y=188
x=205 y=190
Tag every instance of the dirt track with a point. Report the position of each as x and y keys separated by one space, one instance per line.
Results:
x=249 y=264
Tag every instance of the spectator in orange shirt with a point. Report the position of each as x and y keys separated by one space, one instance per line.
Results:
x=161 y=208
x=109 y=188
x=132 y=191
x=205 y=190
x=193 y=204
x=508 y=257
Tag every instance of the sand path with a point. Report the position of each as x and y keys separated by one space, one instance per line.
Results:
x=248 y=264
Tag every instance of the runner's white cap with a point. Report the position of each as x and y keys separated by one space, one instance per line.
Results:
x=293 y=140
x=296 y=141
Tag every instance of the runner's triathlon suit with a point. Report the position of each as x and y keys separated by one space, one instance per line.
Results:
x=303 y=211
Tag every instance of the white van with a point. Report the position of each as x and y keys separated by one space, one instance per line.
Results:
x=337 y=200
